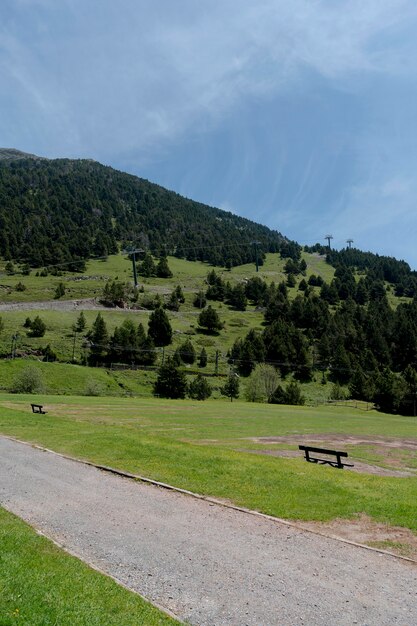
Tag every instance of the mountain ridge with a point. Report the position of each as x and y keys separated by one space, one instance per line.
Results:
x=56 y=210
x=12 y=154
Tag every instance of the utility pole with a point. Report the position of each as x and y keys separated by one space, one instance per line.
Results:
x=73 y=346
x=135 y=276
x=13 y=349
x=132 y=252
x=349 y=242
x=256 y=243
x=329 y=237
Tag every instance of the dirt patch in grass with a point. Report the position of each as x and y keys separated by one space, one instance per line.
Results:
x=363 y=468
x=399 y=455
x=363 y=529
x=342 y=440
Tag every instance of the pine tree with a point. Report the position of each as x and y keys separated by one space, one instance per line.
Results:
x=162 y=268
x=147 y=267
x=199 y=389
x=59 y=291
x=171 y=382
x=186 y=352
x=37 y=327
x=209 y=319
x=202 y=359
x=99 y=339
x=159 y=328
x=80 y=324
x=231 y=388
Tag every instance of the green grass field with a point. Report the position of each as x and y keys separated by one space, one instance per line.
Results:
x=211 y=448
x=41 y=585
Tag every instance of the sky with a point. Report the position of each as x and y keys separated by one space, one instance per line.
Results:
x=299 y=115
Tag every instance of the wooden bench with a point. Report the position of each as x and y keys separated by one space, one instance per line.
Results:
x=313 y=459
x=38 y=408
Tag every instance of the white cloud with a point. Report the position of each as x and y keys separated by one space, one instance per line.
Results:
x=131 y=77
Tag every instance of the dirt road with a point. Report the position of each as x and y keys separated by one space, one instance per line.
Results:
x=208 y=564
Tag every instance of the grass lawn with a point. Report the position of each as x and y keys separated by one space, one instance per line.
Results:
x=209 y=448
x=41 y=585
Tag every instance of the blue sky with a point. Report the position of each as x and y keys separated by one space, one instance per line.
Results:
x=300 y=115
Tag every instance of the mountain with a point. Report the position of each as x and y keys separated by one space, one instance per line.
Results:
x=10 y=154
x=58 y=210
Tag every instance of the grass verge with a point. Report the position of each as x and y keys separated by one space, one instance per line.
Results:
x=60 y=589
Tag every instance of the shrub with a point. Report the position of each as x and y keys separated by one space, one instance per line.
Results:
x=199 y=389
x=9 y=268
x=93 y=388
x=29 y=380
x=48 y=354
x=20 y=287
x=37 y=327
x=59 y=291
x=291 y=395
x=337 y=392
x=200 y=300
x=262 y=383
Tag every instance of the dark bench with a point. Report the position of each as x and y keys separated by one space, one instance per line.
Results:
x=37 y=408
x=314 y=459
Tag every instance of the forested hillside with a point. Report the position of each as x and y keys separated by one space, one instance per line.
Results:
x=55 y=211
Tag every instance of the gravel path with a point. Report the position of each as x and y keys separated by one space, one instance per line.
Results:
x=86 y=304
x=208 y=564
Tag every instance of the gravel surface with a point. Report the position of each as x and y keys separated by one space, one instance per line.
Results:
x=89 y=304
x=208 y=564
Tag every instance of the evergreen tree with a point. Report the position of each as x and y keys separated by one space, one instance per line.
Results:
x=9 y=268
x=199 y=389
x=291 y=395
x=37 y=327
x=390 y=390
x=200 y=300
x=59 y=291
x=162 y=268
x=99 y=339
x=147 y=268
x=179 y=294
x=171 y=382
x=80 y=324
x=173 y=303
x=237 y=298
x=209 y=319
x=124 y=343
x=159 y=328
x=186 y=352
x=255 y=289
x=202 y=359
x=117 y=293
x=231 y=388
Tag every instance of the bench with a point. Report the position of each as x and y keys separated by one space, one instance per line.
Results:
x=334 y=463
x=37 y=408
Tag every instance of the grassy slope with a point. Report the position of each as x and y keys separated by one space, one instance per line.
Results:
x=189 y=275
x=206 y=447
x=60 y=589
